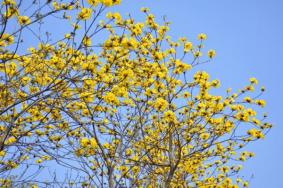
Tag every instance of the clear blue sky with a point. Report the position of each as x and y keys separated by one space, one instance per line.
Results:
x=248 y=38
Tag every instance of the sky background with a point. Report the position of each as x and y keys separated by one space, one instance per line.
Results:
x=248 y=38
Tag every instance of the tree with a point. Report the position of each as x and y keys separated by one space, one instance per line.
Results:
x=115 y=102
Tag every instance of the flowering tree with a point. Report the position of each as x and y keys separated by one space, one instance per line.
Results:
x=115 y=102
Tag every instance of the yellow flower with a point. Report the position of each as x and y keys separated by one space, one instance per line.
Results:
x=38 y=161
x=248 y=99
x=12 y=164
x=6 y=38
x=188 y=46
x=116 y=2
x=85 y=14
x=186 y=94
x=127 y=73
x=211 y=53
x=93 y=143
x=124 y=169
x=128 y=152
x=158 y=55
x=79 y=152
x=11 y=140
x=120 y=91
x=84 y=142
x=253 y=81
x=9 y=2
x=67 y=36
x=202 y=36
x=160 y=104
x=169 y=116
x=260 y=102
x=228 y=181
x=204 y=136
x=110 y=98
x=245 y=184
x=144 y=9
x=93 y=2
x=255 y=133
x=34 y=186
x=107 y=2
x=23 y=20
x=87 y=96
x=135 y=169
x=197 y=54
x=181 y=67
x=87 y=41
x=76 y=26
x=2 y=153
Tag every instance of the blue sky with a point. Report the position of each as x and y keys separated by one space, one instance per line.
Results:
x=248 y=38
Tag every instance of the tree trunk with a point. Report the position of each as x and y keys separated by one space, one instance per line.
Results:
x=110 y=177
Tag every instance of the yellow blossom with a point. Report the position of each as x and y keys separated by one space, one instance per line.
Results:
x=253 y=81
x=84 y=142
x=110 y=98
x=204 y=136
x=160 y=104
x=84 y=14
x=188 y=46
x=11 y=140
x=107 y=2
x=211 y=53
x=23 y=20
x=202 y=36
x=260 y=102
x=87 y=41
x=93 y=2
x=169 y=116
